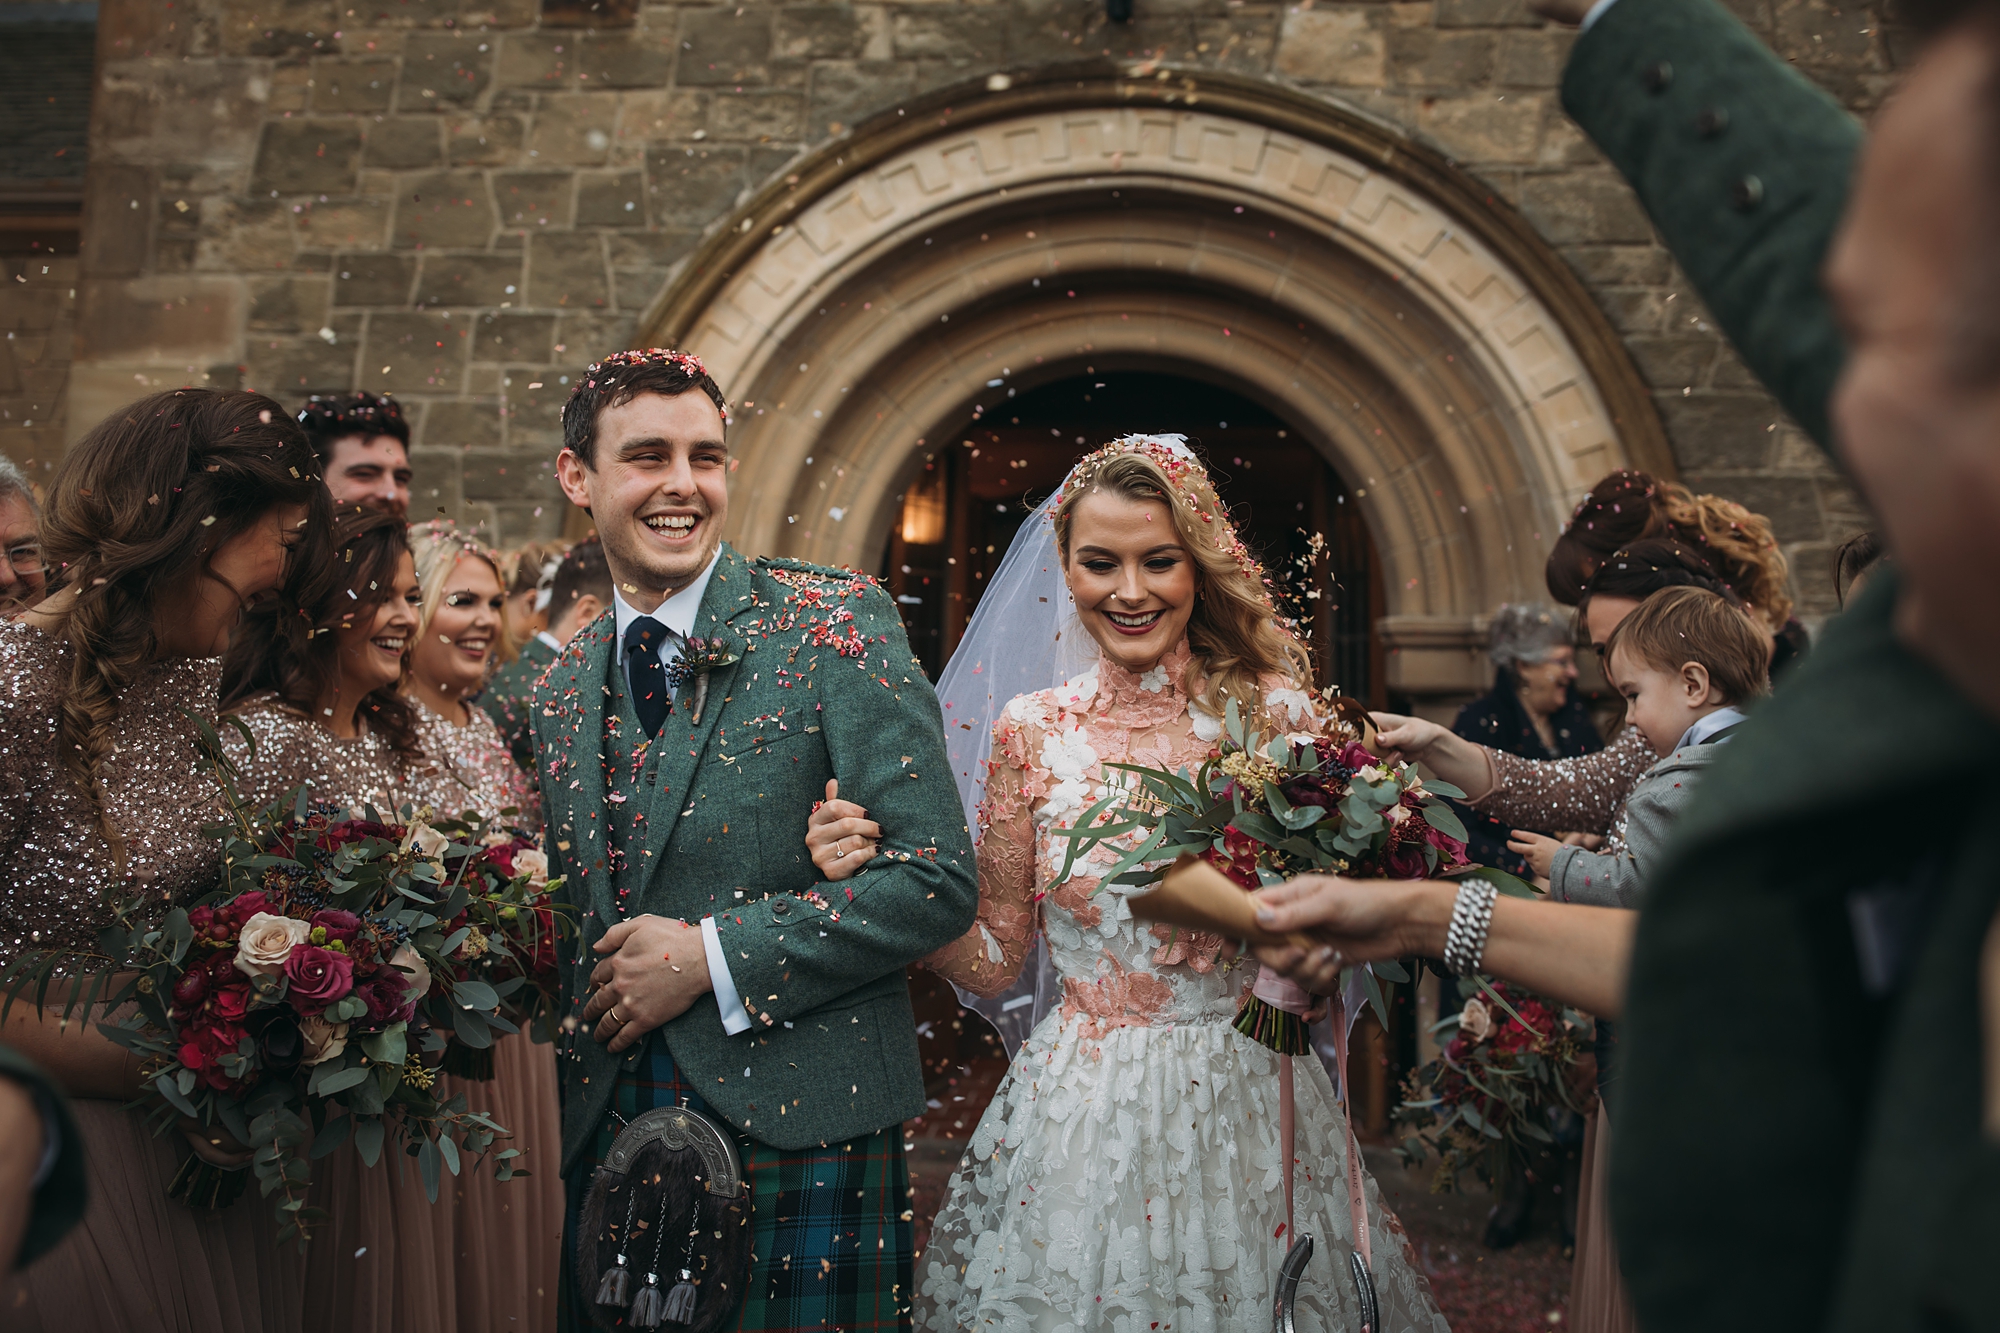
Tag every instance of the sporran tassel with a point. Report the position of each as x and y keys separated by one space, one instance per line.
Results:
x=680 y=1301
x=649 y=1306
x=615 y=1287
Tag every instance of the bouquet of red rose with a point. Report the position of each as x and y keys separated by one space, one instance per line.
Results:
x=293 y=1006
x=1262 y=811
x=505 y=939
x=1486 y=1103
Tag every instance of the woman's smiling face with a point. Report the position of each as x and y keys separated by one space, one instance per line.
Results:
x=1133 y=581
x=453 y=651
x=375 y=646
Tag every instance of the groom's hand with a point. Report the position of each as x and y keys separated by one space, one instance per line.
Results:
x=657 y=967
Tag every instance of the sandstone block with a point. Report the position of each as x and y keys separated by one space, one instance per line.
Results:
x=760 y=116
x=486 y=141
x=353 y=85
x=566 y=269
x=573 y=130
x=1791 y=503
x=1485 y=14
x=288 y=305
x=1720 y=431
x=308 y=157
x=180 y=316
x=509 y=474
x=1487 y=127
x=447 y=208
x=445 y=70
x=843 y=93
x=820 y=32
x=611 y=199
x=404 y=143
x=962 y=36
x=512 y=337
x=1447 y=60
x=1244 y=43
x=456 y=423
x=1578 y=207
x=454 y=280
x=278 y=28
x=1338 y=46
x=538 y=60
x=242 y=235
x=689 y=187
x=416 y=352
x=1531 y=59
x=373 y=280
x=351 y=223
x=1673 y=363
x=724 y=47
x=665 y=114
x=297 y=368
x=640 y=58
x=535 y=199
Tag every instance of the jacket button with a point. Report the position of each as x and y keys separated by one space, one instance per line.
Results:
x=1746 y=194
x=1711 y=122
x=1658 y=76
x=781 y=907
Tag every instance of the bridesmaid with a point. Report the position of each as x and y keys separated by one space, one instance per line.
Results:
x=163 y=524
x=509 y=1235
x=319 y=695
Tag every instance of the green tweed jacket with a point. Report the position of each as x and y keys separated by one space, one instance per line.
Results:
x=1743 y=166
x=508 y=698
x=824 y=686
x=59 y=1203
x=1798 y=1141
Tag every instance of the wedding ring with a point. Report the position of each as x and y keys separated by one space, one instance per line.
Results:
x=839 y=853
x=613 y=1013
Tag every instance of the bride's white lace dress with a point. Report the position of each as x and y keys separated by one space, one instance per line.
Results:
x=1127 y=1175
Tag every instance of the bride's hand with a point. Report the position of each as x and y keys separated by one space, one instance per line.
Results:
x=840 y=836
x=214 y=1144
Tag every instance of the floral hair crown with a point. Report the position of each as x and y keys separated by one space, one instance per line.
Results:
x=686 y=362
x=447 y=533
x=1189 y=479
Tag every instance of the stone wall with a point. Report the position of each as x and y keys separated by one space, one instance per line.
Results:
x=462 y=205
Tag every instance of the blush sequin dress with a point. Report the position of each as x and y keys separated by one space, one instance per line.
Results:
x=138 y=1260
x=1127 y=1174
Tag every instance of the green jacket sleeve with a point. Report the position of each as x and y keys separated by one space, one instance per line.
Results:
x=885 y=737
x=1743 y=166
x=60 y=1198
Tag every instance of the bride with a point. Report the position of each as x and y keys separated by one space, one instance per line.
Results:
x=1128 y=1174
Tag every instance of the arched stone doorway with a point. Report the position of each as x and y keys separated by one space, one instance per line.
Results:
x=1425 y=342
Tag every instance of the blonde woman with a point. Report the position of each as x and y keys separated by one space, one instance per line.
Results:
x=508 y=1236
x=1127 y=1173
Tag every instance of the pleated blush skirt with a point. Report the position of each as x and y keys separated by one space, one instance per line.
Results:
x=1598 y=1302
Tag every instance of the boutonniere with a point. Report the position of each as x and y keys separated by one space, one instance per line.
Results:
x=698 y=657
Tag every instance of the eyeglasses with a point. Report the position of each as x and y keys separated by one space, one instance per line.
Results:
x=26 y=558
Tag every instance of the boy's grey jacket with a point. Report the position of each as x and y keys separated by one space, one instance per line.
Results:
x=1618 y=875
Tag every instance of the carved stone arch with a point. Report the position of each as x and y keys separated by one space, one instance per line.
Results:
x=1422 y=336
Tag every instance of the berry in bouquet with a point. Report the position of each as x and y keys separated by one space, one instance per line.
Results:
x=303 y=1002
x=1511 y=1070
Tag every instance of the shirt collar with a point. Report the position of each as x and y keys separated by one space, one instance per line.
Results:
x=551 y=640
x=1708 y=726
x=677 y=613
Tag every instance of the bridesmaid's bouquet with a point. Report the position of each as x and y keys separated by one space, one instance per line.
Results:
x=306 y=1000
x=1509 y=1069
x=1261 y=810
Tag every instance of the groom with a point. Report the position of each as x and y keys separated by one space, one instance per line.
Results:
x=683 y=739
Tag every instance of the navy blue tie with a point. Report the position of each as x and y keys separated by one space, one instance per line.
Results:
x=646 y=674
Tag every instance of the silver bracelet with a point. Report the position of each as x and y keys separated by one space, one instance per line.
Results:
x=1471 y=918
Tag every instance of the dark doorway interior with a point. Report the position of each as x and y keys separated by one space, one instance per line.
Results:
x=965 y=504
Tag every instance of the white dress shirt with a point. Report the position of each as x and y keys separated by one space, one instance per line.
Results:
x=677 y=613
x=551 y=640
x=1704 y=727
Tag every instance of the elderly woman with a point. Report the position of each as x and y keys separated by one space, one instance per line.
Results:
x=1531 y=711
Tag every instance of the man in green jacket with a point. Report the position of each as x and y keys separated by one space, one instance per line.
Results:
x=578 y=594
x=682 y=740
x=1810 y=1128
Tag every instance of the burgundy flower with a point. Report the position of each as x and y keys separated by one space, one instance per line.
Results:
x=387 y=995
x=318 y=977
x=231 y=1002
x=202 y=1049
x=279 y=1046
x=247 y=906
x=338 y=925
x=192 y=989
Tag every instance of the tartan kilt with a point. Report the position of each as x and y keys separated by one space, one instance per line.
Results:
x=830 y=1233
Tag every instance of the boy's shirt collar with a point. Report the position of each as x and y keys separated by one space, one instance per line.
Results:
x=1706 y=727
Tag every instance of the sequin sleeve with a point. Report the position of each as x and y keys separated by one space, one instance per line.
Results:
x=1579 y=795
x=987 y=959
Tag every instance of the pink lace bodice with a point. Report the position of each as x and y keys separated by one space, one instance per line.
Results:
x=1050 y=749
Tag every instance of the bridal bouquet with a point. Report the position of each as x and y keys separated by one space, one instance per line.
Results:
x=1485 y=1104
x=506 y=939
x=1261 y=810
x=294 y=1005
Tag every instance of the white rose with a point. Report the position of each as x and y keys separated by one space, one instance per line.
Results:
x=267 y=942
x=533 y=864
x=1476 y=1020
x=426 y=841
x=418 y=984
x=323 y=1040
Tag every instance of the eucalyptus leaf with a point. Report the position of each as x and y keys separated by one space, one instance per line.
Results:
x=368 y=1139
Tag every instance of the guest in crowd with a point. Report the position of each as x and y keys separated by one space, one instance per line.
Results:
x=166 y=521
x=363 y=444
x=1532 y=711
x=22 y=582
x=579 y=592
x=526 y=572
x=508 y=1236
x=42 y=1190
x=1853 y=560
x=1628 y=506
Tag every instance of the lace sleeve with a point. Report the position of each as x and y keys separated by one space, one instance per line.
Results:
x=1579 y=795
x=987 y=959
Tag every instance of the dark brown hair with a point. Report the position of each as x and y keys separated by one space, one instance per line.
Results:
x=137 y=510
x=1853 y=558
x=583 y=571
x=297 y=656
x=1645 y=567
x=623 y=376
x=338 y=416
x=1681 y=625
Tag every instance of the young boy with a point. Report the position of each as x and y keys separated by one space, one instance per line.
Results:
x=1685 y=661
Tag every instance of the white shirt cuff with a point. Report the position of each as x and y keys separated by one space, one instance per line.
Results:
x=1594 y=13
x=735 y=1018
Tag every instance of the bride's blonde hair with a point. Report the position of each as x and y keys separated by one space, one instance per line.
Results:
x=1235 y=635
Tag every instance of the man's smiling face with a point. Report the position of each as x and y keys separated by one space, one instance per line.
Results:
x=656 y=485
